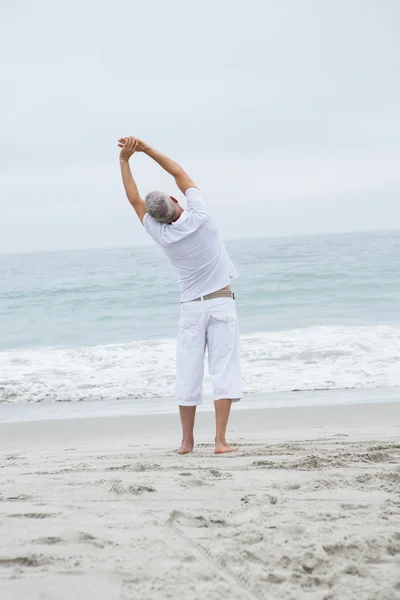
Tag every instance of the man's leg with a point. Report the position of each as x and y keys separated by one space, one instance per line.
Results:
x=187 y=414
x=190 y=369
x=223 y=364
x=222 y=410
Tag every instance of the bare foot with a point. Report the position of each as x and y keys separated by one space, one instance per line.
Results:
x=185 y=449
x=223 y=447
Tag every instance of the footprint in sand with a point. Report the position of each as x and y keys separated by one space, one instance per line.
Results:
x=32 y=515
x=118 y=488
x=216 y=473
x=254 y=557
x=341 y=548
x=185 y=520
x=136 y=468
x=19 y=498
x=49 y=541
x=13 y=457
x=355 y=506
x=124 y=468
x=24 y=561
x=265 y=464
x=375 y=457
x=293 y=486
x=194 y=483
x=246 y=499
x=376 y=447
x=88 y=538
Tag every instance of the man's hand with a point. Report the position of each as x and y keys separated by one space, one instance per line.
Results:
x=139 y=145
x=129 y=145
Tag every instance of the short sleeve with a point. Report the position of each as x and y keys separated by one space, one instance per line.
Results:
x=196 y=203
x=153 y=228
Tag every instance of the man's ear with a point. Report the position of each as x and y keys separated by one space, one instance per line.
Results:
x=174 y=199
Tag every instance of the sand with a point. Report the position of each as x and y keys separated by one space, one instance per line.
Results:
x=100 y=508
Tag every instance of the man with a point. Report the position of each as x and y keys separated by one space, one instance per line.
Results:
x=208 y=318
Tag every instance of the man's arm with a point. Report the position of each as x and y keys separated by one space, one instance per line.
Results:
x=182 y=179
x=129 y=146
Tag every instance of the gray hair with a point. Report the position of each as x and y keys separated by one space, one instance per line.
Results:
x=160 y=206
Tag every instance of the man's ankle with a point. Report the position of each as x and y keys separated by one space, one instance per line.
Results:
x=187 y=441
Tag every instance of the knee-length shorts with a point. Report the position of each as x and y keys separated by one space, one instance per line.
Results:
x=210 y=324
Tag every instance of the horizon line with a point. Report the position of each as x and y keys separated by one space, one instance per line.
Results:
x=227 y=241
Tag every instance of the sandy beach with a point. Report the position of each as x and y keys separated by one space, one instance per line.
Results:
x=102 y=508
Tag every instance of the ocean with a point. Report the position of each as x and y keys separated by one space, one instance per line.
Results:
x=316 y=313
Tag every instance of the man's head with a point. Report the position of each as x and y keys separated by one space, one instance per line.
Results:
x=162 y=207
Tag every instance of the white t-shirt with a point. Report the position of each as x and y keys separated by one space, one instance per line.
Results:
x=195 y=248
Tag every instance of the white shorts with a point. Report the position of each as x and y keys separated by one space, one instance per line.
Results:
x=212 y=324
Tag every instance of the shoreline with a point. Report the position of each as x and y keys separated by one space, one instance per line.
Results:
x=164 y=429
x=32 y=411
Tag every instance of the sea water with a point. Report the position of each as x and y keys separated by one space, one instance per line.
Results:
x=316 y=313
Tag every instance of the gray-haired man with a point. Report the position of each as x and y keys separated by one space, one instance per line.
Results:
x=208 y=318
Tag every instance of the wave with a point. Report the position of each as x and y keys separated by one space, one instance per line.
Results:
x=315 y=358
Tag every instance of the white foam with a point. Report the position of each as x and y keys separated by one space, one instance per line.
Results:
x=301 y=359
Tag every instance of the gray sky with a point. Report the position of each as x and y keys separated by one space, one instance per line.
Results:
x=286 y=113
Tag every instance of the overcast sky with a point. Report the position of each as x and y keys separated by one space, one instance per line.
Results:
x=285 y=112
